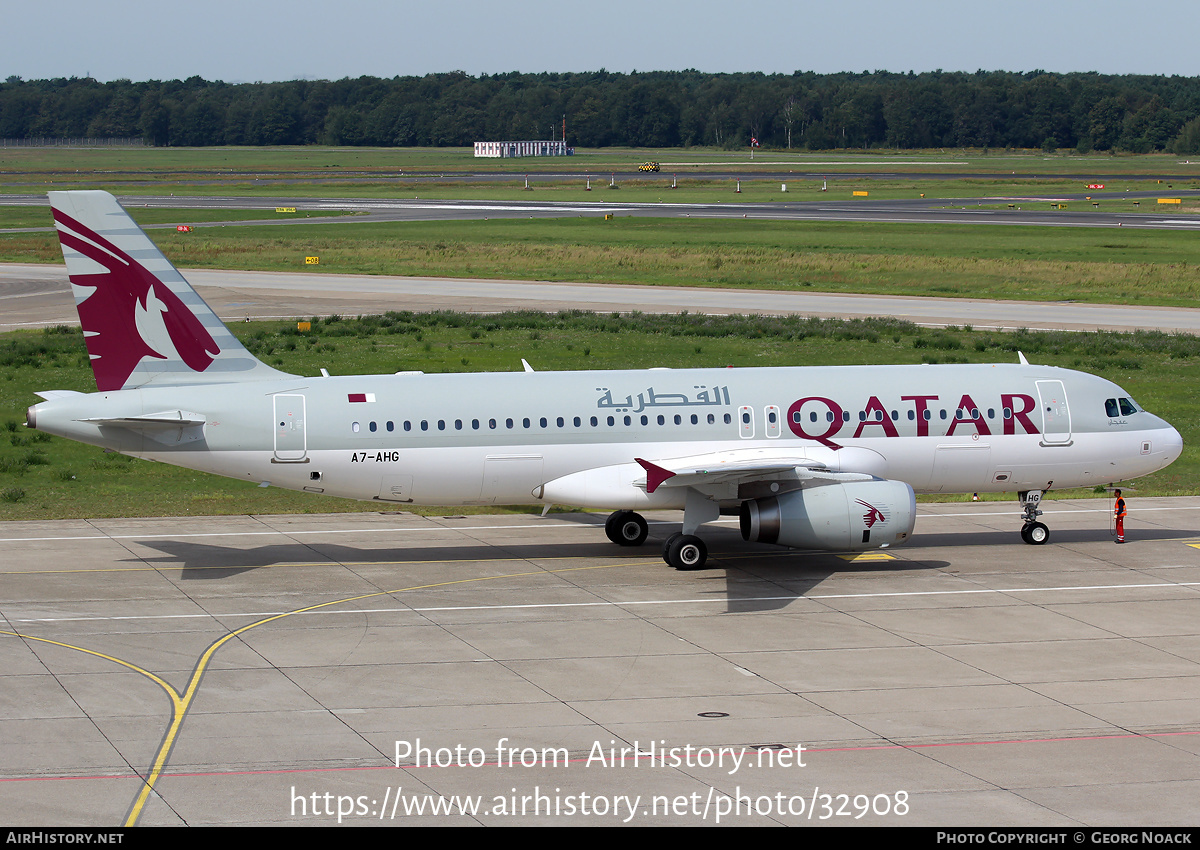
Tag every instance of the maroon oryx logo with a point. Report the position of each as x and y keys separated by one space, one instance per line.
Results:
x=873 y=514
x=110 y=314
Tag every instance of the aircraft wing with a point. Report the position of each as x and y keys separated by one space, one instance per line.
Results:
x=740 y=471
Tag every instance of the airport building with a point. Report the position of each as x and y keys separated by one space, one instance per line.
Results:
x=507 y=149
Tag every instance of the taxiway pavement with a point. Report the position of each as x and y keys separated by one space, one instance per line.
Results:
x=964 y=679
x=1109 y=210
x=39 y=295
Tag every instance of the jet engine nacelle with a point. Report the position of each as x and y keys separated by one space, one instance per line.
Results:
x=854 y=515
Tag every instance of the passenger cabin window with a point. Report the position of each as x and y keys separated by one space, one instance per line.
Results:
x=746 y=426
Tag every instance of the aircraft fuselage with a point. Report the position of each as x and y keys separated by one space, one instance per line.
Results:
x=497 y=438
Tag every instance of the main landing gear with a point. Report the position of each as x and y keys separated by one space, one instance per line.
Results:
x=685 y=551
x=626 y=528
x=681 y=551
x=1033 y=532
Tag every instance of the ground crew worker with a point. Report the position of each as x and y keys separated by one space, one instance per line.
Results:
x=1119 y=514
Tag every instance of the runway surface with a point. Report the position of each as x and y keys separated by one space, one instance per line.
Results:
x=275 y=665
x=39 y=295
x=1081 y=211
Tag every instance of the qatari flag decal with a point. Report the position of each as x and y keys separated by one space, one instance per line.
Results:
x=361 y=397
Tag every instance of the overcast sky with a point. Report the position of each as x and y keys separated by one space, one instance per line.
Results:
x=269 y=40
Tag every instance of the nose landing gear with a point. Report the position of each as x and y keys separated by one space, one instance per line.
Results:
x=1033 y=532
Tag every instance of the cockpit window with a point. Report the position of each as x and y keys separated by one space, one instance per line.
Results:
x=1115 y=407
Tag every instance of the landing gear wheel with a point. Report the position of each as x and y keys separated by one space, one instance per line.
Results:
x=626 y=528
x=686 y=552
x=667 y=545
x=1035 y=533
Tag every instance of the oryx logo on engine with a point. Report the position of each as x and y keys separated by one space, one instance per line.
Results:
x=873 y=514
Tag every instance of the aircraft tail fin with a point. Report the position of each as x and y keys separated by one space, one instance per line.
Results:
x=143 y=323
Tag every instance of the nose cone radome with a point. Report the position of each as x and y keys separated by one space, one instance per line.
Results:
x=1172 y=444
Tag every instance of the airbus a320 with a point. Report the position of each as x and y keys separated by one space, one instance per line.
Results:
x=807 y=457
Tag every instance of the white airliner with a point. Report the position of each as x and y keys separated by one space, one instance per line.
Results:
x=808 y=457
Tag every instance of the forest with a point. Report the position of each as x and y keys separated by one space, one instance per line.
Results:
x=993 y=109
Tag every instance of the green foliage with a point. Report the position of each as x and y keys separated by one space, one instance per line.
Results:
x=655 y=109
x=49 y=476
x=1188 y=140
x=941 y=341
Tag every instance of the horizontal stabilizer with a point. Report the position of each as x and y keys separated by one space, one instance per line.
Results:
x=152 y=421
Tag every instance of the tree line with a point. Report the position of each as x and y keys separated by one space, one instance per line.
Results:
x=993 y=109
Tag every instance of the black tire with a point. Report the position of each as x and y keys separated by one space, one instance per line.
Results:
x=687 y=552
x=610 y=526
x=626 y=528
x=1038 y=534
x=666 y=552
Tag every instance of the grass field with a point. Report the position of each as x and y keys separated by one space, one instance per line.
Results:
x=658 y=189
x=692 y=190
x=40 y=216
x=167 y=164
x=1154 y=267
x=44 y=477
